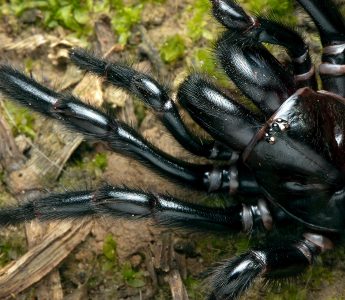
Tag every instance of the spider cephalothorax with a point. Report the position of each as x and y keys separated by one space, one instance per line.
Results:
x=290 y=156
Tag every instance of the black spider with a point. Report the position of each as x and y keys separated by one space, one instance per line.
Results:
x=290 y=157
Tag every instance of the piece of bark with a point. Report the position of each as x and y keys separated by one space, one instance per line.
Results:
x=104 y=35
x=178 y=290
x=10 y=157
x=58 y=242
x=147 y=47
x=162 y=253
x=51 y=150
x=46 y=161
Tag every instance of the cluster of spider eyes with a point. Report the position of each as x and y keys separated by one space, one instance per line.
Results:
x=278 y=125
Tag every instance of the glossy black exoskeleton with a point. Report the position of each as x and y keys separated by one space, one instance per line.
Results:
x=290 y=156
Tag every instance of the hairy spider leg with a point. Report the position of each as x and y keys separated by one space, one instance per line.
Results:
x=249 y=29
x=134 y=204
x=221 y=116
x=256 y=73
x=331 y=26
x=119 y=137
x=155 y=96
x=97 y=125
x=328 y=19
x=234 y=276
x=225 y=120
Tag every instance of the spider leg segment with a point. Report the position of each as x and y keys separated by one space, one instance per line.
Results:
x=99 y=126
x=247 y=29
x=227 y=121
x=155 y=96
x=291 y=152
x=256 y=73
x=233 y=277
x=123 y=202
x=328 y=20
x=331 y=26
x=196 y=91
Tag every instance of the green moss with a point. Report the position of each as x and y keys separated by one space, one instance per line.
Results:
x=74 y=15
x=110 y=263
x=214 y=248
x=203 y=59
x=193 y=287
x=21 y=120
x=318 y=274
x=28 y=63
x=139 y=111
x=11 y=248
x=288 y=291
x=155 y=1
x=125 y=17
x=79 y=15
x=109 y=248
x=100 y=161
x=85 y=158
x=132 y=277
x=173 y=49
x=282 y=10
x=197 y=25
x=84 y=168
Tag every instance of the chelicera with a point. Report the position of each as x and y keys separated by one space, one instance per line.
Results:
x=289 y=157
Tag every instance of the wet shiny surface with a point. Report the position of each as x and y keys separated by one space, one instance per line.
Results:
x=225 y=119
x=328 y=19
x=155 y=96
x=304 y=170
x=256 y=73
x=231 y=15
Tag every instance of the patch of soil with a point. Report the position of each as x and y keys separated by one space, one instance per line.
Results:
x=161 y=262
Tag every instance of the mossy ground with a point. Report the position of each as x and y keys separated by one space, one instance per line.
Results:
x=183 y=32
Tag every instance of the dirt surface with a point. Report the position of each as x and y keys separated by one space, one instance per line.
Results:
x=122 y=259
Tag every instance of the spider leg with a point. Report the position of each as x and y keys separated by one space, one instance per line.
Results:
x=222 y=117
x=135 y=204
x=328 y=19
x=331 y=26
x=257 y=30
x=155 y=96
x=233 y=277
x=119 y=137
x=152 y=93
x=256 y=72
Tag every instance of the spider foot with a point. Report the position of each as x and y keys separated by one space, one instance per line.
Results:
x=234 y=276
